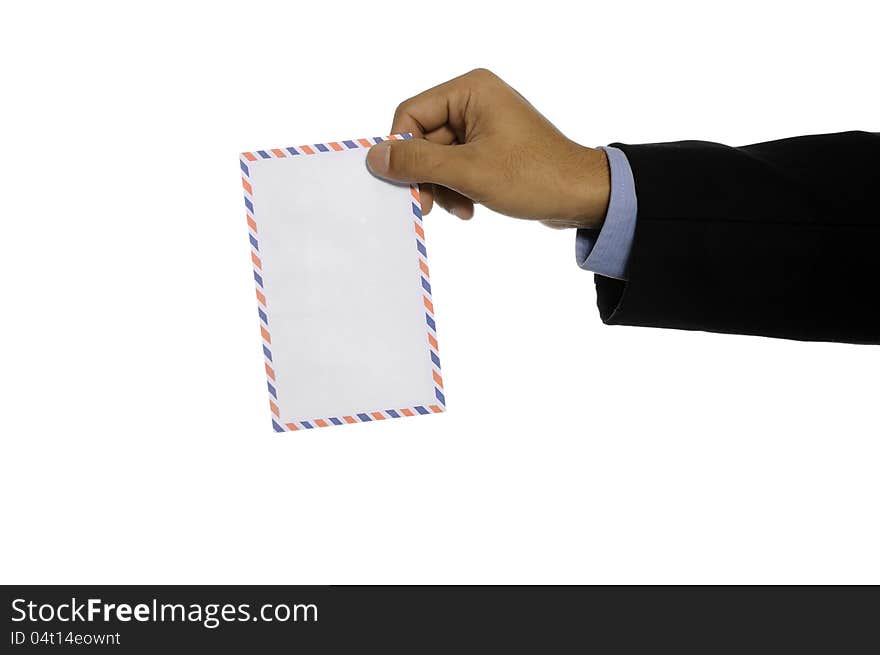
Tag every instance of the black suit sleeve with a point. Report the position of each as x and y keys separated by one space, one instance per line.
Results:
x=779 y=239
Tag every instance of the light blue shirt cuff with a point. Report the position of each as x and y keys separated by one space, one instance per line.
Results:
x=606 y=251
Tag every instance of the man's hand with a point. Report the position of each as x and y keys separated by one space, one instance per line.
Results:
x=478 y=140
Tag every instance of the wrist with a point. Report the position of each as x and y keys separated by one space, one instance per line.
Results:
x=591 y=188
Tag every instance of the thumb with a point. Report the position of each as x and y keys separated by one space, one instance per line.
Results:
x=418 y=160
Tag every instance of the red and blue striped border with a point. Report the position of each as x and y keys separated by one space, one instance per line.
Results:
x=246 y=158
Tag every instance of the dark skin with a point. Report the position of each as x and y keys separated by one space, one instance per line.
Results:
x=479 y=141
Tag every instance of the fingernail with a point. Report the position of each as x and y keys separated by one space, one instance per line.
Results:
x=379 y=157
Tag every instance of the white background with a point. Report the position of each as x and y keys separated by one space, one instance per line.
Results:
x=136 y=444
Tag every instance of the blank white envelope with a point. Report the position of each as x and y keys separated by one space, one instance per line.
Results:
x=343 y=290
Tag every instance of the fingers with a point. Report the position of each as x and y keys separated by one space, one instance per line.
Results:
x=444 y=168
x=439 y=116
x=444 y=136
x=456 y=204
x=419 y=160
x=423 y=113
x=444 y=104
x=426 y=196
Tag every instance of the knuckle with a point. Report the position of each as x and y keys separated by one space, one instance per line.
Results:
x=483 y=74
x=403 y=108
x=399 y=113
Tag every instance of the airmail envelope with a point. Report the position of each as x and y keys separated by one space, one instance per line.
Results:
x=343 y=291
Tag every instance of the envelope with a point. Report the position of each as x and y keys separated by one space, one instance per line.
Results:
x=343 y=287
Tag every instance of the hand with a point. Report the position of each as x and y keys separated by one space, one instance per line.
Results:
x=476 y=140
